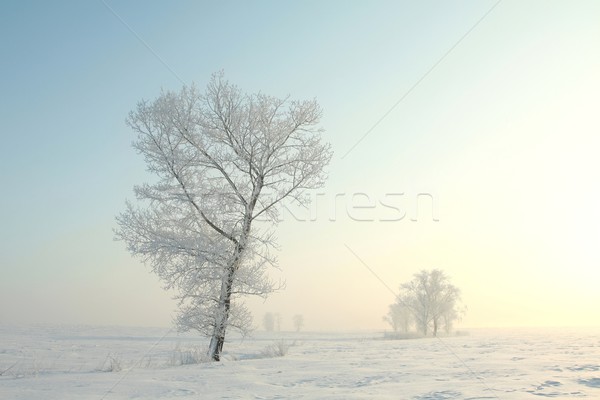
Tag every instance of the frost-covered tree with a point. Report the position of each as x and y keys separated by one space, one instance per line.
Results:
x=450 y=316
x=298 y=322
x=399 y=317
x=432 y=300
x=269 y=322
x=223 y=160
x=278 y=321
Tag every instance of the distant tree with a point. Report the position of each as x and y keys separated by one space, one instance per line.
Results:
x=269 y=322
x=223 y=159
x=449 y=317
x=432 y=300
x=399 y=317
x=298 y=322
x=278 y=320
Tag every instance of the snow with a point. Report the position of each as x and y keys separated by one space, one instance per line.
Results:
x=54 y=362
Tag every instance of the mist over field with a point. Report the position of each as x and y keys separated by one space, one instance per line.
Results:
x=125 y=363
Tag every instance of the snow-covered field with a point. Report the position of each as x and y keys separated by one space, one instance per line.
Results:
x=47 y=362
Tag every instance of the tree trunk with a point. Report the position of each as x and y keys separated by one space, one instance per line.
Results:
x=435 y=327
x=218 y=337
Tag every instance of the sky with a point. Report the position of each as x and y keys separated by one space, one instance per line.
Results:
x=478 y=121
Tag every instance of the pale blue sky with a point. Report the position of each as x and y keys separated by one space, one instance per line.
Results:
x=503 y=132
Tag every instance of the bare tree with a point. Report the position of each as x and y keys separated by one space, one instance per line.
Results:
x=415 y=296
x=269 y=322
x=450 y=316
x=298 y=322
x=278 y=321
x=223 y=159
x=399 y=317
x=432 y=299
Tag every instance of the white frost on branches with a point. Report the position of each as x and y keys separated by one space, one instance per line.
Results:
x=429 y=300
x=223 y=159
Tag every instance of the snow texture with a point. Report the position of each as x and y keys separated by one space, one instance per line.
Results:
x=45 y=362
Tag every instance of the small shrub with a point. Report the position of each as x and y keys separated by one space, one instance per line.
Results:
x=187 y=357
x=112 y=363
x=276 y=349
x=146 y=362
x=401 y=336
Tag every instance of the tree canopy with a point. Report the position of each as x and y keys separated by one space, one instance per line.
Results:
x=222 y=158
